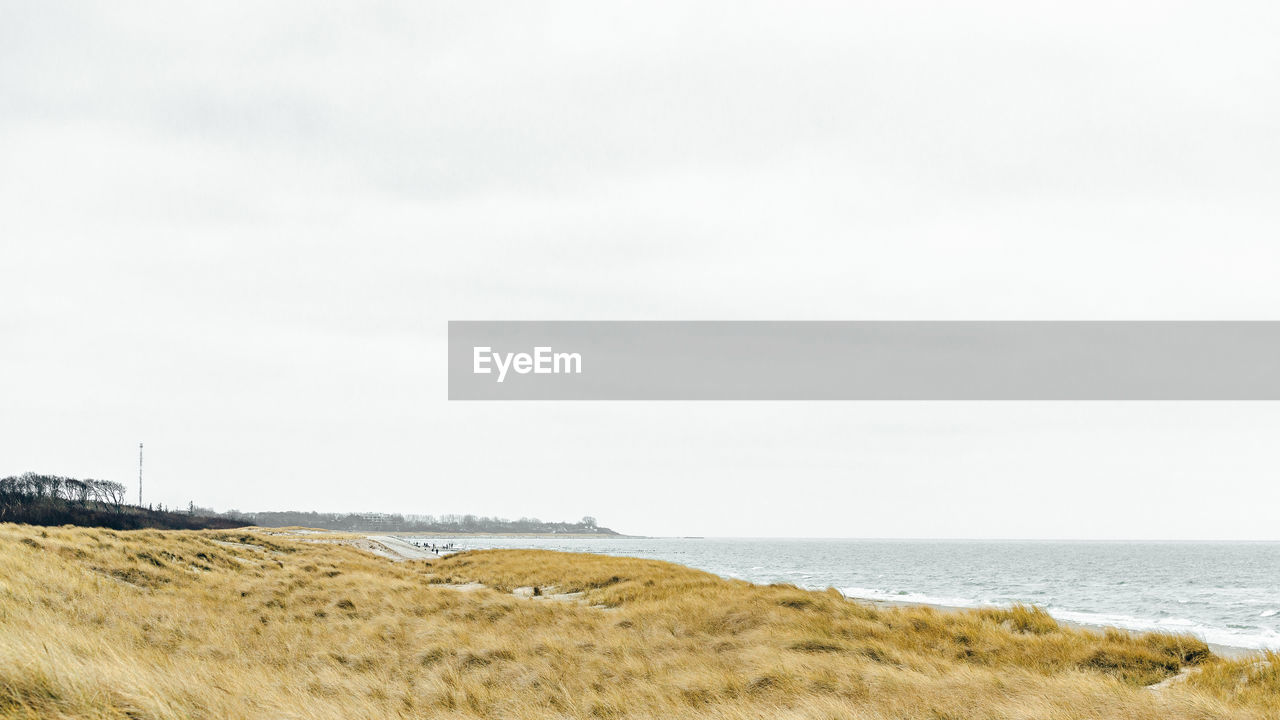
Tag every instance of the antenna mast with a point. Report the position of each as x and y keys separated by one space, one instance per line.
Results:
x=139 y=474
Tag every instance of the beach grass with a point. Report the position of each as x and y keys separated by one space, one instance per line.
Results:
x=263 y=624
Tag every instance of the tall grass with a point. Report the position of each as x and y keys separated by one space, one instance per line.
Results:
x=250 y=624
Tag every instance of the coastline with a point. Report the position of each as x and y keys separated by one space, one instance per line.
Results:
x=394 y=543
x=1233 y=652
x=321 y=620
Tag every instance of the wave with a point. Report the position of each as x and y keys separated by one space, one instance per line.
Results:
x=1259 y=638
x=914 y=598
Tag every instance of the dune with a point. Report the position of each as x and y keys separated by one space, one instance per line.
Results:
x=258 y=623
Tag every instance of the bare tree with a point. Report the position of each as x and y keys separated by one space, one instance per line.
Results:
x=113 y=493
x=76 y=490
x=38 y=485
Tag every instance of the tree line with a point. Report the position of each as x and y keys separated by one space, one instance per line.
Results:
x=55 y=500
x=30 y=487
x=357 y=522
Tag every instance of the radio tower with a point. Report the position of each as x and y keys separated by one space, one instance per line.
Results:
x=139 y=474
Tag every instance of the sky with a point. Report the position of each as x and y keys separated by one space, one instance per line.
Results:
x=236 y=231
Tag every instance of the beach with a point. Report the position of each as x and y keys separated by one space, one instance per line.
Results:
x=297 y=623
x=1228 y=594
x=404 y=547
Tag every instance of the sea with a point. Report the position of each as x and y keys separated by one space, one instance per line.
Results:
x=1226 y=593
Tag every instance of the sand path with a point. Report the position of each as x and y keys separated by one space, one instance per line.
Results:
x=405 y=550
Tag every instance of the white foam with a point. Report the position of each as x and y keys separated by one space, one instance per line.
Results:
x=1259 y=639
x=859 y=593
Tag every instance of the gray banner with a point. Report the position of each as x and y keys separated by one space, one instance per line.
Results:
x=635 y=360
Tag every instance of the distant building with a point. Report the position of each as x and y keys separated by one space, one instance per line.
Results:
x=374 y=518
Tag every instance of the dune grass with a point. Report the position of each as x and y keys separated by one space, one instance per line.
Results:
x=256 y=624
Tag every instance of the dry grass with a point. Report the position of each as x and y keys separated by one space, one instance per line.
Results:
x=246 y=624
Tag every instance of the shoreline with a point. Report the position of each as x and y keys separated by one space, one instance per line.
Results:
x=409 y=551
x=251 y=623
x=396 y=545
x=411 y=533
x=1233 y=652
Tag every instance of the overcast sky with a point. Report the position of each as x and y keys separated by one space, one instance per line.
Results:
x=235 y=231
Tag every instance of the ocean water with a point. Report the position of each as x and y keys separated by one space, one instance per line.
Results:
x=1224 y=593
